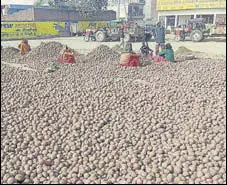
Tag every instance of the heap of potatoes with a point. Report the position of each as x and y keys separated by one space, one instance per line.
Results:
x=9 y=54
x=97 y=122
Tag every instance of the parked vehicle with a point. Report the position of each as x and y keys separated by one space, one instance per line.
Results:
x=112 y=32
x=103 y=34
x=197 y=30
x=80 y=28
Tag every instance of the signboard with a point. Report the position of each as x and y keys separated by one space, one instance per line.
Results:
x=22 y=30
x=189 y=4
x=82 y=26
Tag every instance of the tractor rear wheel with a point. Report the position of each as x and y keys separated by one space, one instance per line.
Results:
x=100 y=36
x=196 y=36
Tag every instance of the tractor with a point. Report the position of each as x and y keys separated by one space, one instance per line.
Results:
x=110 y=33
x=134 y=33
x=195 y=29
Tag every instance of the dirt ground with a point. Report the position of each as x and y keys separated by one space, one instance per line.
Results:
x=209 y=47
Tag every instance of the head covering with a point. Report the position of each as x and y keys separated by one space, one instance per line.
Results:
x=168 y=46
x=158 y=22
x=25 y=41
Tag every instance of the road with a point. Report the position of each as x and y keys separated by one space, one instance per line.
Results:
x=210 y=48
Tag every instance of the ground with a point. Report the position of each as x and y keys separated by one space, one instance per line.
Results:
x=209 y=47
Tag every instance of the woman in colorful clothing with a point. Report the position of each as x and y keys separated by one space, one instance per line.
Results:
x=24 y=47
x=167 y=55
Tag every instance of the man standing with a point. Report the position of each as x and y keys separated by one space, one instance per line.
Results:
x=147 y=34
x=122 y=38
x=159 y=36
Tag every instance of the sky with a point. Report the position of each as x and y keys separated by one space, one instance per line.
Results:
x=27 y=2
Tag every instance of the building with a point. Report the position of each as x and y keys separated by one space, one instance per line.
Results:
x=151 y=14
x=131 y=10
x=175 y=12
x=136 y=10
x=119 y=7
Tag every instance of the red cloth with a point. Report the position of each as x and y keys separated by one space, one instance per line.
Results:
x=69 y=60
x=150 y=55
x=159 y=59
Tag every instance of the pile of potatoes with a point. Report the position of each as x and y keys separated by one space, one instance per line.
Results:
x=9 y=54
x=38 y=58
x=97 y=122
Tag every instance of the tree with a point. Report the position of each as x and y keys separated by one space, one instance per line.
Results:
x=89 y=8
x=39 y=3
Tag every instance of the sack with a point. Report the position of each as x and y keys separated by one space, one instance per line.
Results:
x=129 y=59
x=125 y=58
x=134 y=61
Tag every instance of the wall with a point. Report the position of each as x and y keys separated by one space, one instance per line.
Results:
x=42 y=14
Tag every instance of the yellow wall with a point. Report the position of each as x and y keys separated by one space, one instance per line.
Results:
x=189 y=4
x=19 y=30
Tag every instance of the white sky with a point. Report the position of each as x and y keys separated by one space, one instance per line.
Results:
x=27 y=2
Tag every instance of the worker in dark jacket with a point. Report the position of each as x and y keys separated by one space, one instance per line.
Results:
x=122 y=38
x=147 y=34
x=146 y=50
x=159 y=36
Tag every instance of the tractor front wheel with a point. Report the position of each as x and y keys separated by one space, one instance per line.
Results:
x=177 y=38
x=86 y=38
